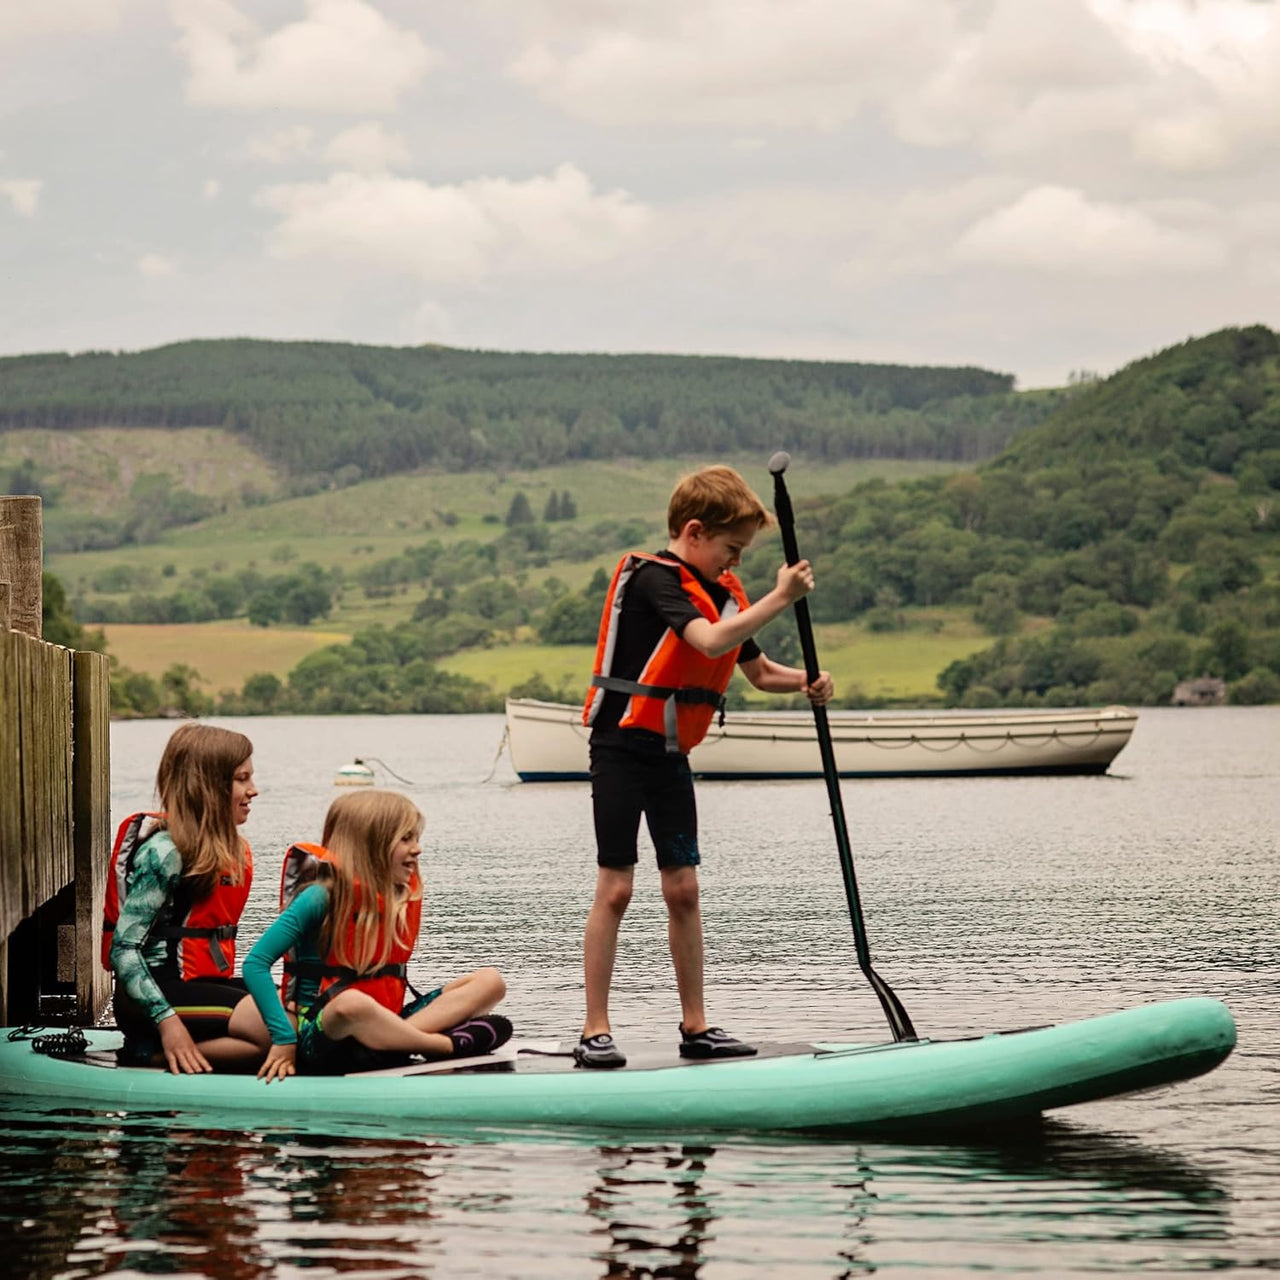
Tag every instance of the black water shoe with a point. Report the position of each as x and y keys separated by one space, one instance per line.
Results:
x=598 y=1052
x=478 y=1036
x=712 y=1043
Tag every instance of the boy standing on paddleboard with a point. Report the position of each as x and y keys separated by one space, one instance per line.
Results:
x=674 y=625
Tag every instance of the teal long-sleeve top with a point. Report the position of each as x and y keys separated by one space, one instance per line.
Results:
x=296 y=929
x=154 y=879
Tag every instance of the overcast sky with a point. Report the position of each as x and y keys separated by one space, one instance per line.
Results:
x=1034 y=186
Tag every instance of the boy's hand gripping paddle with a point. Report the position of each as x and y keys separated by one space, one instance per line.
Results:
x=899 y=1023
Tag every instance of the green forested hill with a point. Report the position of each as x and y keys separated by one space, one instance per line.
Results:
x=1204 y=404
x=1127 y=542
x=1141 y=522
x=311 y=407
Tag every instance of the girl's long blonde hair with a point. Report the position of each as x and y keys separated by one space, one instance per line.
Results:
x=361 y=829
x=194 y=783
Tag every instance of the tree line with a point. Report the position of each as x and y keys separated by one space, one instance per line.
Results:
x=1126 y=544
x=319 y=409
x=1142 y=522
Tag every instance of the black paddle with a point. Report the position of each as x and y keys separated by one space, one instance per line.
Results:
x=899 y=1023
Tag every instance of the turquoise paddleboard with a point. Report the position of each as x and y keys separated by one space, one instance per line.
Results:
x=893 y=1087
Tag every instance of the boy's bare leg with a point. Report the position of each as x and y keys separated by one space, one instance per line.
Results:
x=684 y=933
x=466 y=997
x=600 y=943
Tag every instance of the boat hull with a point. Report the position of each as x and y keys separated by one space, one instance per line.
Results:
x=548 y=743
x=893 y=1088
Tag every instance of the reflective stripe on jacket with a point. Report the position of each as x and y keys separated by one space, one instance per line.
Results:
x=680 y=690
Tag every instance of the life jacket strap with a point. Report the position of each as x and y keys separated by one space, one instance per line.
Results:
x=347 y=977
x=216 y=934
x=689 y=695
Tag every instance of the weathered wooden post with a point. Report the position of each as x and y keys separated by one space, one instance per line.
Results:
x=54 y=770
x=21 y=609
x=22 y=562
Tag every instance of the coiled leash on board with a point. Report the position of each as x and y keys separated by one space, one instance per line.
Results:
x=56 y=1044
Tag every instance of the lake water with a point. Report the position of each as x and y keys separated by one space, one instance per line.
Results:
x=990 y=904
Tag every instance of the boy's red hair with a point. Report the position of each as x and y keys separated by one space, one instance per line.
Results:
x=718 y=497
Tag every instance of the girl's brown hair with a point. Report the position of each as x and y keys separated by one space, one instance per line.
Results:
x=194 y=783
x=717 y=496
x=361 y=829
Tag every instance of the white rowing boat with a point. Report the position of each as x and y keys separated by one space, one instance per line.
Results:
x=548 y=742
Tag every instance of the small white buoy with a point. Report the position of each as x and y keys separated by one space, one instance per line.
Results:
x=354 y=775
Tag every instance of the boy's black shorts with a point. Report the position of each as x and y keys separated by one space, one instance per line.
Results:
x=625 y=784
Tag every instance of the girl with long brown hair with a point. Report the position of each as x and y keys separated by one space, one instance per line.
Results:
x=347 y=939
x=178 y=884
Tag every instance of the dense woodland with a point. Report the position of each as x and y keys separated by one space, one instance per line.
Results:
x=1127 y=542
x=1140 y=522
x=313 y=409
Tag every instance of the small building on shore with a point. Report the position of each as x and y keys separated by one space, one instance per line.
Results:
x=1203 y=691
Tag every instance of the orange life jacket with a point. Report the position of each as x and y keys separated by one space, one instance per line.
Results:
x=680 y=690
x=201 y=932
x=387 y=983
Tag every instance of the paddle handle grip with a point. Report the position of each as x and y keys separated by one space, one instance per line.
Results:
x=791 y=553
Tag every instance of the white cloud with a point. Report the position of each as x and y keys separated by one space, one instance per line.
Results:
x=1058 y=229
x=368 y=148
x=736 y=63
x=281 y=146
x=211 y=188
x=431 y=322
x=1067 y=86
x=343 y=56
x=466 y=232
x=783 y=249
x=1025 y=74
x=1177 y=86
x=22 y=193
x=24 y=19
x=155 y=266
x=1220 y=59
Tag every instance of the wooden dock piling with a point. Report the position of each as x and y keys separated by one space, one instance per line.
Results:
x=54 y=797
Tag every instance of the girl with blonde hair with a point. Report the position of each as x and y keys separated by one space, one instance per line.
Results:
x=347 y=938
x=178 y=884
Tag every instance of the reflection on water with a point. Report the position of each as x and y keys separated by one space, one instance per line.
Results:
x=991 y=903
x=87 y=1195
x=672 y=1244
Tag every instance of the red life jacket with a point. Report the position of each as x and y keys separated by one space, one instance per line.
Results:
x=386 y=983
x=201 y=932
x=680 y=689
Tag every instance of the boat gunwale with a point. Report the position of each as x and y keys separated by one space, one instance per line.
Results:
x=1114 y=717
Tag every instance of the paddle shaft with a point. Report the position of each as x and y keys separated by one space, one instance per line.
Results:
x=899 y=1022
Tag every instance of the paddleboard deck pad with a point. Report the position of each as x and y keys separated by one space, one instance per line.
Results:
x=910 y=1086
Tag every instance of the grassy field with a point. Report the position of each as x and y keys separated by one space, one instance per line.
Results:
x=349 y=528
x=900 y=666
x=94 y=469
x=224 y=653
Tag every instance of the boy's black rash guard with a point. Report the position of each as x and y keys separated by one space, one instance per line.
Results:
x=654 y=602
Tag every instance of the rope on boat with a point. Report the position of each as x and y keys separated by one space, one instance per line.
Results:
x=940 y=746
x=506 y=734
x=383 y=765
